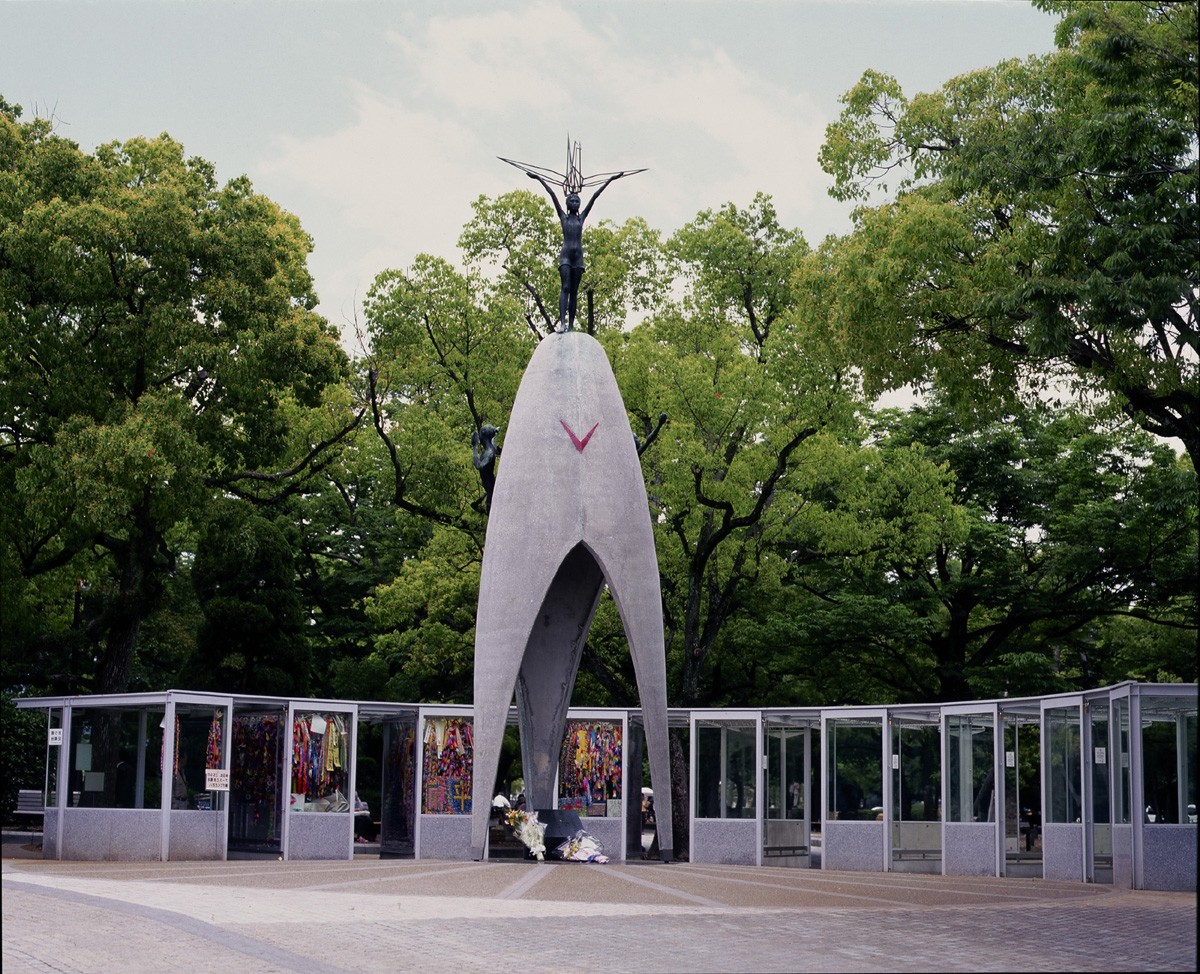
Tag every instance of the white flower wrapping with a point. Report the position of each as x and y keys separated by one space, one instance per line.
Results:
x=529 y=830
x=581 y=847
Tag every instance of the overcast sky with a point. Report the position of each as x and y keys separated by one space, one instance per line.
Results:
x=377 y=123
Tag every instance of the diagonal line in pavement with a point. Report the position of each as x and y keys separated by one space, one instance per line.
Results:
x=669 y=890
x=523 y=885
x=276 y=956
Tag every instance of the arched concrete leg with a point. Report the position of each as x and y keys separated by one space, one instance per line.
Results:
x=490 y=718
x=570 y=476
x=502 y=632
x=548 y=670
x=633 y=582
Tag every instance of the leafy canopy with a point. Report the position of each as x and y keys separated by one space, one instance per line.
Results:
x=1041 y=232
x=159 y=347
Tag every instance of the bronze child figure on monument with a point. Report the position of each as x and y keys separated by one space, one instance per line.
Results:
x=570 y=258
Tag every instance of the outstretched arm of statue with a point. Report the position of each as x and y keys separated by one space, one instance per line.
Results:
x=603 y=186
x=553 y=196
x=644 y=445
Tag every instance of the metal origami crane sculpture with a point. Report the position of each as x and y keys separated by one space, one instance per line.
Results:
x=568 y=515
x=570 y=258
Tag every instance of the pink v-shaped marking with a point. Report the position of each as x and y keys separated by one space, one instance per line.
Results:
x=579 y=444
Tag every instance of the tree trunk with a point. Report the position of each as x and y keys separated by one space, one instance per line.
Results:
x=139 y=591
x=680 y=803
x=116 y=666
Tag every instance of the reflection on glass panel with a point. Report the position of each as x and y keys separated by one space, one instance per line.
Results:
x=1189 y=766
x=398 y=798
x=916 y=772
x=1022 y=786
x=725 y=771
x=739 y=773
x=1100 y=763
x=817 y=780
x=199 y=747
x=116 y=758
x=708 y=772
x=785 y=773
x=855 y=769
x=1063 y=745
x=1123 y=793
x=54 y=724
x=1169 y=759
x=1161 y=778
x=256 y=779
x=970 y=745
x=776 y=789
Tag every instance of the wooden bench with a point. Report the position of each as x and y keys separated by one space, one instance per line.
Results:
x=771 y=851
x=29 y=802
x=924 y=854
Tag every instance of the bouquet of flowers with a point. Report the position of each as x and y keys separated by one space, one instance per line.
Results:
x=581 y=847
x=529 y=830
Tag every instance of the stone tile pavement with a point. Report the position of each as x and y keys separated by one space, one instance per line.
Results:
x=403 y=915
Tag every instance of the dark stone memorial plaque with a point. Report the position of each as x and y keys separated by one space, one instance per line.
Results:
x=561 y=824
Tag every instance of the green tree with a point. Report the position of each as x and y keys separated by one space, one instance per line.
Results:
x=1063 y=524
x=738 y=478
x=515 y=237
x=755 y=423
x=352 y=538
x=446 y=357
x=159 y=349
x=1044 y=225
x=762 y=461
x=427 y=617
x=734 y=432
x=22 y=753
x=1131 y=648
x=253 y=637
x=448 y=349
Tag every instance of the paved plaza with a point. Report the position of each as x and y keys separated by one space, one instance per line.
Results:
x=403 y=915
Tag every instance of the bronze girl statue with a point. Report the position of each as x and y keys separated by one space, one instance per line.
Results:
x=570 y=258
